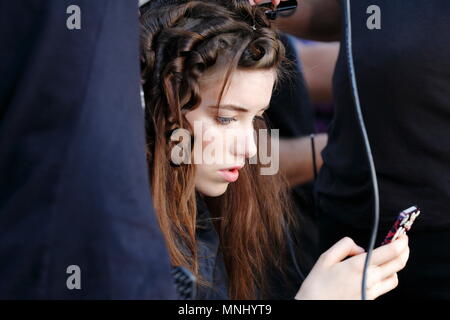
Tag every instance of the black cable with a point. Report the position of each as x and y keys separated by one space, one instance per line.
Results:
x=292 y=252
x=313 y=150
x=351 y=66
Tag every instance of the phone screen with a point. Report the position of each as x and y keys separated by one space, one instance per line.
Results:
x=402 y=224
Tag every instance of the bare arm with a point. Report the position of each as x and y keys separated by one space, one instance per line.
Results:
x=314 y=19
x=296 y=161
x=318 y=61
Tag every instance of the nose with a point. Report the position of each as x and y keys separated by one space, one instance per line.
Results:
x=245 y=145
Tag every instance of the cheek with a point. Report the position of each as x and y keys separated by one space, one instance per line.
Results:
x=211 y=137
x=207 y=129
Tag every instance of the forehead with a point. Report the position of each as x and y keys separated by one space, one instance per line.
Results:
x=251 y=89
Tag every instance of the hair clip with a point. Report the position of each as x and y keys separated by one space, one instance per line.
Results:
x=285 y=7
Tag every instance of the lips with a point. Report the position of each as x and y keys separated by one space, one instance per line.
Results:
x=230 y=174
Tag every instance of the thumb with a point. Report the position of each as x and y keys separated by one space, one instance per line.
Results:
x=340 y=250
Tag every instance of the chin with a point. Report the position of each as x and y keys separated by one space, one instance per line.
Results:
x=212 y=191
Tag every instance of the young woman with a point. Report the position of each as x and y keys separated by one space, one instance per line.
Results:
x=209 y=68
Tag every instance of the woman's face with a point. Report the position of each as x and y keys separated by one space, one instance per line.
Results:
x=225 y=136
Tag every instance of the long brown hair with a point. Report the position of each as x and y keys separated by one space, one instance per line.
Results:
x=180 y=40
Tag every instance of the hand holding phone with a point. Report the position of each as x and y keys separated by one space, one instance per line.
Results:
x=402 y=224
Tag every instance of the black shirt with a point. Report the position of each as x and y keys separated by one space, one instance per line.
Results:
x=403 y=75
x=211 y=263
x=74 y=184
x=212 y=267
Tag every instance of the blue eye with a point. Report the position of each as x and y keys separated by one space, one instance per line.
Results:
x=224 y=120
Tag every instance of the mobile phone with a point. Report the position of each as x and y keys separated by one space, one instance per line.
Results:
x=285 y=8
x=402 y=224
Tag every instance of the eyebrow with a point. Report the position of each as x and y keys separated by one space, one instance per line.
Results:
x=234 y=107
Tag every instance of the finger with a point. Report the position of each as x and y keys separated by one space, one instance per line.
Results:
x=395 y=265
x=375 y=275
x=340 y=250
x=383 y=287
x=388 y=252
x=252 y=2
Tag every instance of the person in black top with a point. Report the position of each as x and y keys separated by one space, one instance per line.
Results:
x=73 y=178
x=208 y=71
x=403 y=75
